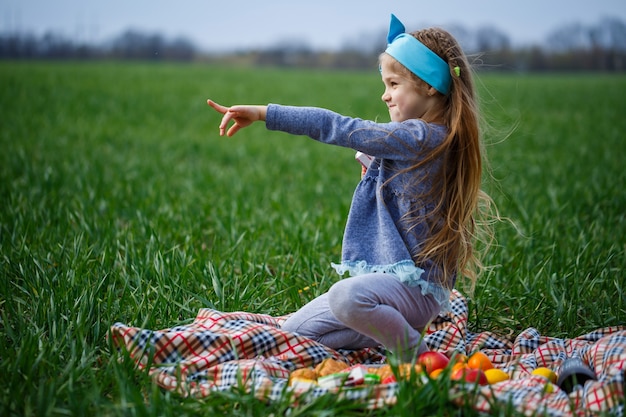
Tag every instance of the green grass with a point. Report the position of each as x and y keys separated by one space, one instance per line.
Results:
x=119 y=202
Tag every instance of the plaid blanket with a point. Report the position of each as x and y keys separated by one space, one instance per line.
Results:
x=219 y=351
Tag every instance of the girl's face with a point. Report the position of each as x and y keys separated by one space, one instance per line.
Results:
x=402 y=96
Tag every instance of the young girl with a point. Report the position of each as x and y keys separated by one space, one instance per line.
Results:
x=411 y=225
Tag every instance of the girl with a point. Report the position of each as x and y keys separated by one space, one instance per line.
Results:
x=411 y=225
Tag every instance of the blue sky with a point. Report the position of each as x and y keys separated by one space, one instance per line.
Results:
x=321 y=23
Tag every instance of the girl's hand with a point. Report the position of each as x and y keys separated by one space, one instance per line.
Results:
x=243 y=116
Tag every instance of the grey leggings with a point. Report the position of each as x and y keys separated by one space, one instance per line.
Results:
x=368 y=311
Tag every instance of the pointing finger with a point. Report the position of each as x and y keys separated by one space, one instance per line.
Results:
x=217 y=107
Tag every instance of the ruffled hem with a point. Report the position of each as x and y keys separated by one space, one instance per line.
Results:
x=405 y=271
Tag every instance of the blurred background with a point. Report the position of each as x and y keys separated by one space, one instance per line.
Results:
x=531 y=35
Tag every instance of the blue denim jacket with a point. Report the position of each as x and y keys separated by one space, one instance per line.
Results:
x=375 y=239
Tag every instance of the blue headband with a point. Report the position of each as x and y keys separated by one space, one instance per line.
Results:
x=417 y=58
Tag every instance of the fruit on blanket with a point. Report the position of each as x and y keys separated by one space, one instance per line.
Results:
x=456 y=368
x=458 y=372
x=432 y=361
x=459 y=365
x=479 y=360
x=549 y=388
x=495 y=375
x=470 y=375
x=435 y=374
x=546 y=373
x=458 y=357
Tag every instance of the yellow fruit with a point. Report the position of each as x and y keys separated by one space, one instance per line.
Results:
x=549 y=388
x=546 y=373
x=496 y=375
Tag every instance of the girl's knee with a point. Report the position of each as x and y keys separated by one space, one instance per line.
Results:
x=345 y=302
x=339 y=294
x=292 y=324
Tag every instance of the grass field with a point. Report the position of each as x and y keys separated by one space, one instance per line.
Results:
x=119 y=202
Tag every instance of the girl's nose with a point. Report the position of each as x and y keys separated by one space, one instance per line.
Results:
x=385 y=97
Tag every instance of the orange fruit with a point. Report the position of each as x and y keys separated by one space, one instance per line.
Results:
x=434 y=374
x=479 y=360
x=457 y=366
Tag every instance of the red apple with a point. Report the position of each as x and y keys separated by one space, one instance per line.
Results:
x=470 y=375
x=432 y=361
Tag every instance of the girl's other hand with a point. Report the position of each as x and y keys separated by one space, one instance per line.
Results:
x=242 y=116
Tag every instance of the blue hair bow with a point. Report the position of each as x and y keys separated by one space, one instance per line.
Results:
x=417 y=57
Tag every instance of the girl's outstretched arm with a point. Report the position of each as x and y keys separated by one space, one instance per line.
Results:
x=243 y=116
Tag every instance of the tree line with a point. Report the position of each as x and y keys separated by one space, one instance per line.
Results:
x=572 y=47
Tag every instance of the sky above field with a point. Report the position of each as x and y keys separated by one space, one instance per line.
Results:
x=239 y=24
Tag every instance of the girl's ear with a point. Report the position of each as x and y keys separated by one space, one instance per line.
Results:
x=431 y=91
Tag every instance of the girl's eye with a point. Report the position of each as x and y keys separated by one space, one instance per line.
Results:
x=393 y=83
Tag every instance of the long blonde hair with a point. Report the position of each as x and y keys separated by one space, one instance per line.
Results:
x=459 y=204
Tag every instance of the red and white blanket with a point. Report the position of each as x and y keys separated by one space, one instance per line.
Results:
x=219 y=351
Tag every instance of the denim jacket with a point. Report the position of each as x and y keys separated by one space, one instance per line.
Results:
x=375 y=239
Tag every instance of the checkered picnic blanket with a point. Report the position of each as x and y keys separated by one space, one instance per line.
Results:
x=221 y=351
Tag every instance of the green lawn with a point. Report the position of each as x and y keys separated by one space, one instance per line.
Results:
x=120 y=202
